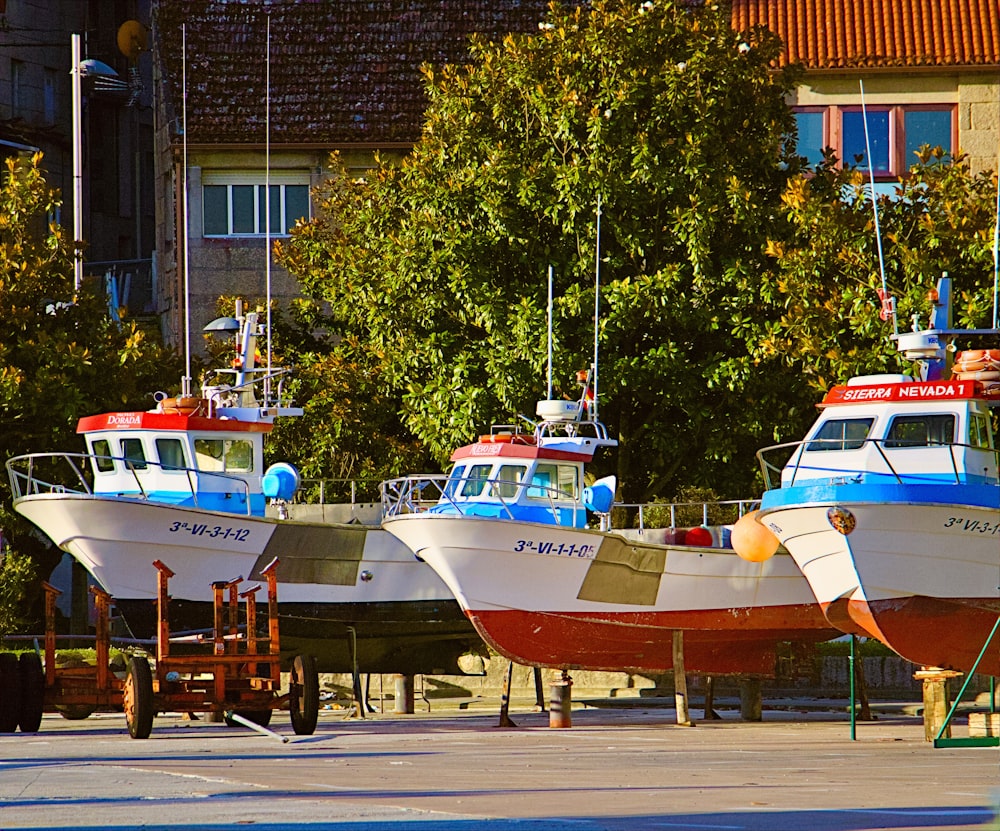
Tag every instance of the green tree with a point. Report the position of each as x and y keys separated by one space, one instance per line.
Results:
x=434 y=268
x=940 y=218
x=61 y=356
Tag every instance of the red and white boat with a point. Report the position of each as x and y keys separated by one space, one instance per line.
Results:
x=891 y=503
x=507 y=532
x=185 y=483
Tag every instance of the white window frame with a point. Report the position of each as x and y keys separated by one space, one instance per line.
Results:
x=280 y=179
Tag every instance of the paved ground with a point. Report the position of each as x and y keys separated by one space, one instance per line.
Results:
x=615 y=769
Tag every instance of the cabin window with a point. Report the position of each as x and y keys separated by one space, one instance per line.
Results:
x=550 y=478
x=101 y=449
x=475 y=480
x=841 y=434
x=135 y=456
x=979 y=430
x=454 y=479
x=231 y=455
x=171 y=454
x=921 y=431
x=507 y=478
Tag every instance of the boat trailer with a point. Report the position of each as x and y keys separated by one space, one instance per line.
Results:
x=232 y=674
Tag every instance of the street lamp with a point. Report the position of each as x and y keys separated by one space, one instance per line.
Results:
x=101 y=78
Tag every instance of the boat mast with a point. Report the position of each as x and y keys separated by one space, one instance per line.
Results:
x=597 y=302
x=267 y=203
x=186 y=380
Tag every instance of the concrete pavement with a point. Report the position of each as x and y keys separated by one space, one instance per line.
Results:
x=615 y=769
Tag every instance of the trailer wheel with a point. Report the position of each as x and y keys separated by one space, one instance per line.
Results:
x=303 y=704
x=137 y=698
x=10 y=692
x=32 y=692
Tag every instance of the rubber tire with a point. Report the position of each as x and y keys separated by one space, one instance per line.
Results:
x=137 y=698
x=261 y=717
x=10 y=692
x=32 y=692
x=303 y=698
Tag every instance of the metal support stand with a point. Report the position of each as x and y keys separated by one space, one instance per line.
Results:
x=505 y=720
x=680 y=681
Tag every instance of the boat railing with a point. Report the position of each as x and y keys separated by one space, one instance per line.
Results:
x=580 y=428
x=679 y=514
x=338 y=491
x=773 y=471
x=40 y=473
x=415 y=494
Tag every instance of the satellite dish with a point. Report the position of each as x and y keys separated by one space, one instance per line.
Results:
x=132 y=39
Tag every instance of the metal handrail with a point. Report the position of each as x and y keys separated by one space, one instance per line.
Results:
x=26 y=483
x=769 y=469
x=743 y=506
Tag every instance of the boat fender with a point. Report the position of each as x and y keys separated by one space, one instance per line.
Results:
x=600 y=496
x=281 y=481
x=700 y=537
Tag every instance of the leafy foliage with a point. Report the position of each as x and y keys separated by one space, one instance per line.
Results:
x=939 y=219
x=435 y=268
x=61 y=356
x=17 y=572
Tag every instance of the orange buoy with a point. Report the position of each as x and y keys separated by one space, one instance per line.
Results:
x=752 y=541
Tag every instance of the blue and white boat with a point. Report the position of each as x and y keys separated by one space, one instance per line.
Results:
x=185 y=483
x=891 y=504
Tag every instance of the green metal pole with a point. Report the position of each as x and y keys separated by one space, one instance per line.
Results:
x=854 y=715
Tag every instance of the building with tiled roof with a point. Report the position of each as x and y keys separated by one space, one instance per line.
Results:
x=930 y=72
x=345 y=76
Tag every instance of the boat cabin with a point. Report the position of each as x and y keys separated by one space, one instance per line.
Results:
x=893 y=429
x=180 y=455
x=509 y=474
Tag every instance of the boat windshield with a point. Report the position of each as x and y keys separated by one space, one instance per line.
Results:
x=841 y=434
x=921 y=430
x=234 y=455
x=549 y=478
x=171 y=453
x=101 y=450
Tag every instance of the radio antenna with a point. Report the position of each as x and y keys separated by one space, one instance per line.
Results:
x=871 y=187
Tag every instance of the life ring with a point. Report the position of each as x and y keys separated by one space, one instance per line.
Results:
x=506 y=438
x=182 y=406
x=496 y=438
x=980 y=375
x=976 y=360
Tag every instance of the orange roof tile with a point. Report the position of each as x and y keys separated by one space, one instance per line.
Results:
x=834 y=34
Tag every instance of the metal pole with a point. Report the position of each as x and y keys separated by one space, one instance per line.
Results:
x=77 y=162
x=854 y=715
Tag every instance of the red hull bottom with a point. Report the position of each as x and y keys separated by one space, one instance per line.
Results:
x=717 y=642
x=933 y=632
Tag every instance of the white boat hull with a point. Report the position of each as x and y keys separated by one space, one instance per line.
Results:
x=350 y=584
x=584 y=599
x=921 y=577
